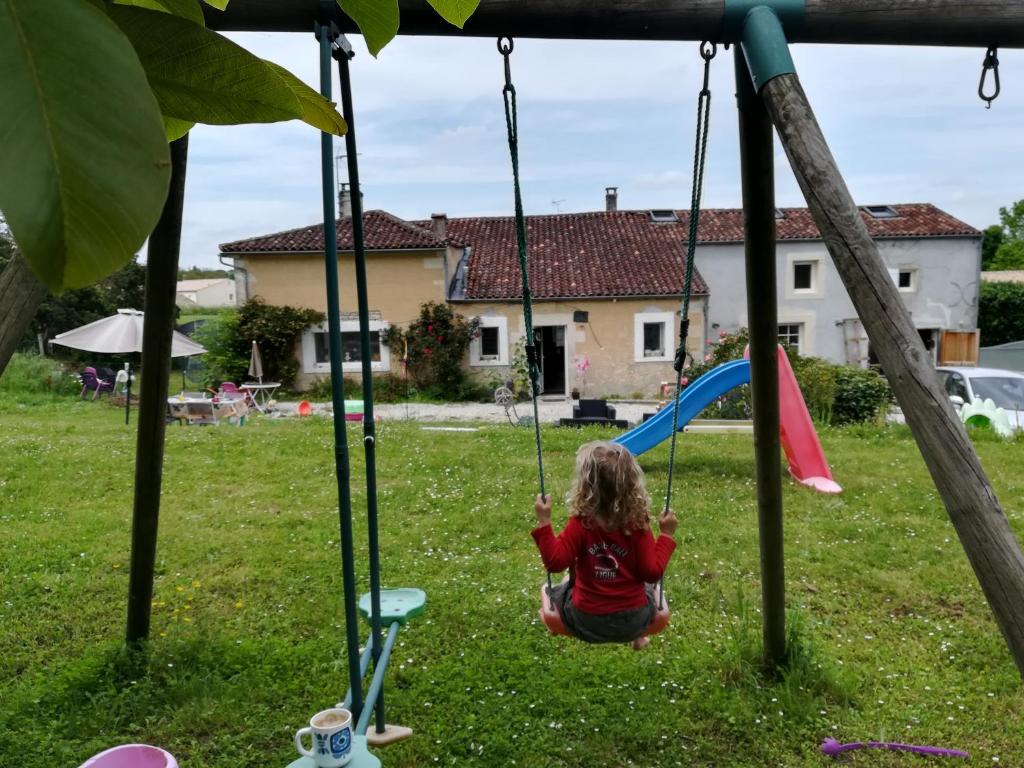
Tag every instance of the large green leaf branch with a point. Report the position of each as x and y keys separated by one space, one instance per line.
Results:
x=83 y=134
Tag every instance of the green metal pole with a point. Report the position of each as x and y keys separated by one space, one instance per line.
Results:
x=341 y=458
x=757 y=170
x=343 y=53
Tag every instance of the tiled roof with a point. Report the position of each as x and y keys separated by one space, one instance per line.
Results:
x=599 y=254
x=625 y=253
x=576 y=255
x=718 y=225
x=382 y=231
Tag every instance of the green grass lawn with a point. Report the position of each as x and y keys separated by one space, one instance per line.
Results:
x=892 y=635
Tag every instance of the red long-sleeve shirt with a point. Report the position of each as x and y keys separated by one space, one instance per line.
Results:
x=611 y=567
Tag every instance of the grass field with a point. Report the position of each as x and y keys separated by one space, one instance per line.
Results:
x=891 y=636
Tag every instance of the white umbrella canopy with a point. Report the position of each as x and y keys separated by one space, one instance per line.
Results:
x=120 y=334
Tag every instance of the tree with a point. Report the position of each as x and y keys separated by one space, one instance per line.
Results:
x=1001 y=313
x=1002 y=247
x=199 y=273
x=84 y=165
x=992 y=238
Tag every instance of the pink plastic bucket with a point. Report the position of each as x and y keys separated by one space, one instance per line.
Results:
x=132 y=756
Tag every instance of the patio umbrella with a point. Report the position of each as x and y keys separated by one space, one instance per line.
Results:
x=121 y=334
x=256 y=363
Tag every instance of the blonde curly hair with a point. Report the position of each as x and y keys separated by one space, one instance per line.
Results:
x=608 y=487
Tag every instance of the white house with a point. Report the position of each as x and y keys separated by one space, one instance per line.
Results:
x=934 y=259
x=206 y=293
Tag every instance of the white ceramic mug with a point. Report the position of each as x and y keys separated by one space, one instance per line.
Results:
x=331 y=731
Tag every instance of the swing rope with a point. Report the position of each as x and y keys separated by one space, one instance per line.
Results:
x=707 y=52
x=512 y=123
x=508 y=93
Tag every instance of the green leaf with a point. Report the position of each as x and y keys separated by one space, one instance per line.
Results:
x=455 y=11
x=186 y=9
x=84 y=164
x=376 y=19
x=316 y=110
x=220 y=5
x=199 y=75
x=175 y=128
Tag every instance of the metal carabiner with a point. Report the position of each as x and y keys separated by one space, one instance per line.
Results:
x=991 y=62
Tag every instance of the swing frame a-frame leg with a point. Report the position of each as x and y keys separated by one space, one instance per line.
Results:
x=989 y=542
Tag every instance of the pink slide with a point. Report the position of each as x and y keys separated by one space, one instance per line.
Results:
x=799 y=440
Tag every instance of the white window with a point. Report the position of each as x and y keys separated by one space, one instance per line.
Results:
x=789 y=334
x=316 y=348
x=805 y=275
x=490 y=347
x=653 y=336
x=906 y=279
x=880 y=212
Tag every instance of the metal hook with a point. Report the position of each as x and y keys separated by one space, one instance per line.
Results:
x=991 y=62
x=707 y=52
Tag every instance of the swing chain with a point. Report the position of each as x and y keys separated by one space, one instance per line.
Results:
x=991 y=62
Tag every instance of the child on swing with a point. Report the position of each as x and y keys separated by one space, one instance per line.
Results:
x=613 y=557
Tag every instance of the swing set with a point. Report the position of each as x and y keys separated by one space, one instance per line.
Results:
x=769 y=98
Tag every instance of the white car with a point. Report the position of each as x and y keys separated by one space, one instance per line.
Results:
x=1004 y=388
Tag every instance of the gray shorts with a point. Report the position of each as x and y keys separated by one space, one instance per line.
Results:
x=618 y=627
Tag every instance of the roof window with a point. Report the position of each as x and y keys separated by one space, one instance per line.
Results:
x=880 y=212
x=664 y=215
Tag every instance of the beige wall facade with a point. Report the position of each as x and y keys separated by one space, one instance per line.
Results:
x=398 y=281
x=603 y=356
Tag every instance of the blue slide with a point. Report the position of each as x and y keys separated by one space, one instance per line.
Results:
x=694 y=399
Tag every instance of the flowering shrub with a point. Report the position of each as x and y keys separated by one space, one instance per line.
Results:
x=436 y=344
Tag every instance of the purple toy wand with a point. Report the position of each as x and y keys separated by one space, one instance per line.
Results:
x=834 y=748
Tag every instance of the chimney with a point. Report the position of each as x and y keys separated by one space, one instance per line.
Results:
x=439 y=223
x=344 y=201
x=611 y=198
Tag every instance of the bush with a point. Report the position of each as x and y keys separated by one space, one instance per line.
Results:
x=1001 y=313
x=834 y=394
x=29 y=374
x=437 y=342
x=276 y=329
x=817 y=380
x=861 y=394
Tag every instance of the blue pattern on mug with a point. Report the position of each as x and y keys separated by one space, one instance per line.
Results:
x=341 y=742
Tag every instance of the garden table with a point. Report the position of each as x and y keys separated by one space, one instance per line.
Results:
x=261 y=393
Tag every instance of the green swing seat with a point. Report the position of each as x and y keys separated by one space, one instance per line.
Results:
x=396 y=605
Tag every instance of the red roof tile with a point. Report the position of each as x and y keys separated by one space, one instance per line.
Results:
x=382 y=231
x=625 y=253
x=576 y=255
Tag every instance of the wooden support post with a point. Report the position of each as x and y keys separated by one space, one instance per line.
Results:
x=157 y=330
x=758 y=174
x=991 y=546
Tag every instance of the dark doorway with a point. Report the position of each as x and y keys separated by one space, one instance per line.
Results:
x=550 y=341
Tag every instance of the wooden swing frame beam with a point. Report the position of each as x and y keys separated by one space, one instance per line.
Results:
x=773 y=98
x=975 y=23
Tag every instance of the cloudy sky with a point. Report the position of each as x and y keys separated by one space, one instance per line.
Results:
x=905 y=124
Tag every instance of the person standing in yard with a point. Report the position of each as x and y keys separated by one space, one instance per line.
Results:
x=613 y=558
